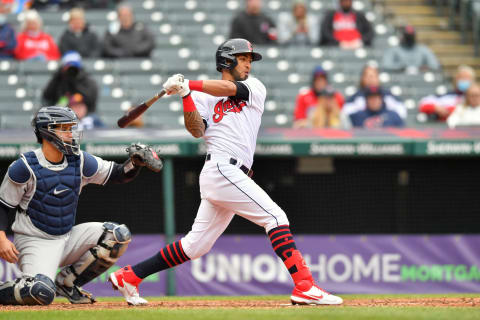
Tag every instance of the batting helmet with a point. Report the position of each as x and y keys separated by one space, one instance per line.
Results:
x=45 y=124
x=225 y=55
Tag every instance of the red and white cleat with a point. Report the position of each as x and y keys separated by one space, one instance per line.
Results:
x=125 y=281
x=307 y=292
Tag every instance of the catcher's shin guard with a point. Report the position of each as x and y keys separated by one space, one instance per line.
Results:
x=38 y=290
x=111 y=245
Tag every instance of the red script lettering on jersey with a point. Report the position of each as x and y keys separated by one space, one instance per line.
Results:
x=224 y=106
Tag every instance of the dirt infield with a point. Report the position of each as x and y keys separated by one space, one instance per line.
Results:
x=255 y=304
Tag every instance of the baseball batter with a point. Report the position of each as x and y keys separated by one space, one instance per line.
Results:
x=227 y=114
x=44 y=186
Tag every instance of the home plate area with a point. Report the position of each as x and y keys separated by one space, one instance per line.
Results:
x=255 y=304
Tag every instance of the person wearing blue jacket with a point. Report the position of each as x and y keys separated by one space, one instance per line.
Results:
x=376 y=114
x=8 y=40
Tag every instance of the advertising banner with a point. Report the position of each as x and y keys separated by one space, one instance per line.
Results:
x=243 y=265
x=247 y=265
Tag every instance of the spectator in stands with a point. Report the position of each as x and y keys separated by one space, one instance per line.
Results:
x=307 y=101
x=87 y=120
x=298 y=27
x=327 y=112
x=60 y=5
x=18 y=6
x=409 y=56
x=439 y=107
x=127 y=38
x=6 y=6
x=78 y=37
x=346 y=28
x=33 y=43
x=100 y=4
x=253 y=25
x=69 y=79
x=468 y=112
x=52 y=5
x=376 y=114
x=8 y=40
x=370 y=78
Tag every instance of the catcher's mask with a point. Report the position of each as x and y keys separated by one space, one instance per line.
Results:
x=225 y=55
x=59 y=126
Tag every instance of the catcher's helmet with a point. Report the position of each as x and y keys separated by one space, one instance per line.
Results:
x=44 y=125
x=225 y=55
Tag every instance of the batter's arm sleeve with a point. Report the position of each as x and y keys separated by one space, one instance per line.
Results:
x=242 y=91
x=123 y=173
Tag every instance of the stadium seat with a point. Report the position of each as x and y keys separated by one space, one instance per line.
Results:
x=9 y=121
x=186 y=34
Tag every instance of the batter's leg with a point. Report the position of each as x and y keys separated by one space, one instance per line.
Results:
x=210 y=223
x=232 y=189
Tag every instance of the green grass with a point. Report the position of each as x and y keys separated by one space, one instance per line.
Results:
x=290 y=313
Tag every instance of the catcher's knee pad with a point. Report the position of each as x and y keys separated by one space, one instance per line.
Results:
x=37 y=290
x=111 y=245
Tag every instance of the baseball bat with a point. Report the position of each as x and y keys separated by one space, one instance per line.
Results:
x=138 y=110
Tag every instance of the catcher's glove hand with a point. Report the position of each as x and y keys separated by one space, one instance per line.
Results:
x=144 y=156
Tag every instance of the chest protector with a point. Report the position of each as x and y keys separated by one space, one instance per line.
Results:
x=54 y=204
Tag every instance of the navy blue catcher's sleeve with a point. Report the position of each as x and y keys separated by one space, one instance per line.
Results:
x=3 y=216
x=123 y=173
x=18 y=171
x=90 y=165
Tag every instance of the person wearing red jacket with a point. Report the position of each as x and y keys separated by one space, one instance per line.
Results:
x=439 y=107
x=346 y=28
x=33 y=43
x=308 y=101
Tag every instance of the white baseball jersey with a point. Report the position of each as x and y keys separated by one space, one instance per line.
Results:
x=225 y=190
x=232 y=125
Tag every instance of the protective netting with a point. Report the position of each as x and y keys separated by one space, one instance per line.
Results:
x=325 y=196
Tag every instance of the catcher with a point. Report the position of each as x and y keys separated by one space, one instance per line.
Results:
x=44 y=186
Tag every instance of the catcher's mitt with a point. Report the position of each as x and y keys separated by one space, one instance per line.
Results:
x=143 y=155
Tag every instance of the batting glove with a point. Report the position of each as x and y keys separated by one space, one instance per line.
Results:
x=171 y=85
x=184 y=88
x=177 y=84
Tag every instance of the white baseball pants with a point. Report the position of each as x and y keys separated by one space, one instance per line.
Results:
x=225 y=191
